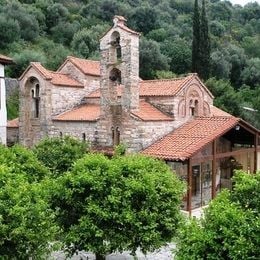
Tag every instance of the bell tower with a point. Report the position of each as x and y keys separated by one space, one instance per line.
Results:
x=119 y=87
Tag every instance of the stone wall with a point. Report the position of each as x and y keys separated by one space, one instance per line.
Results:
x=32 y=128
x=12 y=135
x=12 y=85
x=75 y=129
x=90 y=82
x=65 y=98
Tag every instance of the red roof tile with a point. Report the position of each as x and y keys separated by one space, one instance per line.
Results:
x=91 y=112
x=88 y=67
x=148 y=112
x=13 y=123
x=185 y=141
x=88 y=112
x=148 y=88
x=215 y=111
x=5 y=60
x=56 y=78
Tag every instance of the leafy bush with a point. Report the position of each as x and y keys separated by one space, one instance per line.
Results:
x=20 y=160
x=26 y=220
x=231 y=227
x=119 y=204
x=59 y=154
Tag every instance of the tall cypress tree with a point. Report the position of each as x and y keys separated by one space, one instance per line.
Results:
x=196 y=39
x=200 y=42
x=204 y=44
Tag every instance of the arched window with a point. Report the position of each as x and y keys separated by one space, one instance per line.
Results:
x=194 y=107
x=192 y=110
x=35 y=92
x=115 y=136
x=115 y=76
x=116 y=53
x=61 y=134
x=83 y=137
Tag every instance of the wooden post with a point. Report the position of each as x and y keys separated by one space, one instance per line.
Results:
x=213 y=187
x=255 y=152
x=189 y=187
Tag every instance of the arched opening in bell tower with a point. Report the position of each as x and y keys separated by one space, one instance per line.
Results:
x=115 y=51
x=115 y=76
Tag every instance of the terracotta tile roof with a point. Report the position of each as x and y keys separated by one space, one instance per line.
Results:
x=125 y=28
x=148 y=88
x=5 y=60
x=56 y=78
x=148 y=112
x=13 y=123
x=87 y=112
x=215 y=111
x=88 y=67
x=91 y=112
x=185 y=141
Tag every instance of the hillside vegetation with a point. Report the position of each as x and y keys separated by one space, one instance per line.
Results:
x=49 y=30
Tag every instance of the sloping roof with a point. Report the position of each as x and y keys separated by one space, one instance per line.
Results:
x=148 y=88
x=5 y=60
x=87 y=112
x=215 y=111
x=56 y=78
x=91 y=112
x=13 y=123
x=148 y=112
x=88 y=67
x=185 y=141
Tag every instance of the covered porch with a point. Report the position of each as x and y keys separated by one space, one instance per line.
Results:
x=211 y=168
x=205 y=153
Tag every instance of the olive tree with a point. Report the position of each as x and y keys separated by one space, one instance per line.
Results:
x=124 y=203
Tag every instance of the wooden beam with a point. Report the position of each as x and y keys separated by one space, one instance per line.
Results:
x=189 y=191
x=255 y=152
x=223 y=155
x=214 y=152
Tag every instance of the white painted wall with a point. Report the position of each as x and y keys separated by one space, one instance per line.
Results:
x=3 y=113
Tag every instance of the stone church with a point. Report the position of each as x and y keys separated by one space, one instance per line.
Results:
x=106 y=103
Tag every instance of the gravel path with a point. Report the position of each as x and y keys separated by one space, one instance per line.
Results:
x=165 y=253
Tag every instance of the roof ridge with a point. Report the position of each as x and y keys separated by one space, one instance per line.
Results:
x=158 y=80
x=73 y=57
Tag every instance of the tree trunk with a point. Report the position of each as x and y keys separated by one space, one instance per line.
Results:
x=100 y=257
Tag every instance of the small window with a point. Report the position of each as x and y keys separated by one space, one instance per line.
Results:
x=117 y=136
x=84 y=137
x=115 y=76
x=113 y=135
x=61 y=134
x=35 y=92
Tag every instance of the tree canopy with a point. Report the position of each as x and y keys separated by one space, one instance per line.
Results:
x=230 y=228
x=123 y=203
x=48 y=31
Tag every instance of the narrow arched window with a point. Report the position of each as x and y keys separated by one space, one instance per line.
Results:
x=116 y=53
x=117 y=136
x=115 y=76
x=36 y=100
x=113 y=135
x=61 y=134
x=196 y=108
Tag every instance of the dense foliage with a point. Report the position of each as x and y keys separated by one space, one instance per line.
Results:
x=27 y=223
x=59 y=154
x=231 y=227
x=49 y=30
x=114 y=204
